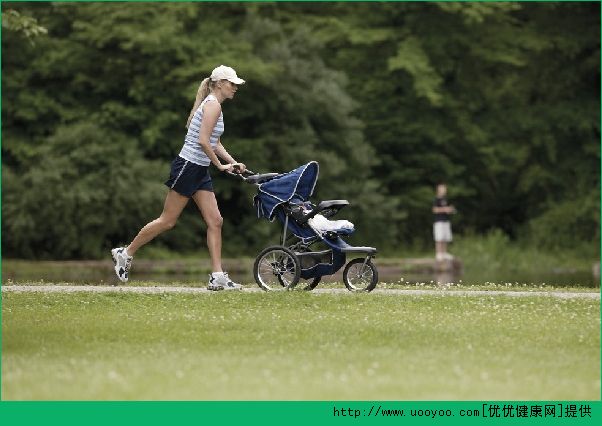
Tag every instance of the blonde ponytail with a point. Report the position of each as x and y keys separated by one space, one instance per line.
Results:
x=204 y=90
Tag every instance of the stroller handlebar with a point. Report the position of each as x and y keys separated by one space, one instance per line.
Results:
x=252 y=177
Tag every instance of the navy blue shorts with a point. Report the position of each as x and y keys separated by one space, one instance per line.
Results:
x=186 y=178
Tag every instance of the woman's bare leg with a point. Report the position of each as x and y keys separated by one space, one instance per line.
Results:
x=207 y=204
x=174 y=204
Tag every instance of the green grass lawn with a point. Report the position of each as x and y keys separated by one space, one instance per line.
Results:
x=295 y=345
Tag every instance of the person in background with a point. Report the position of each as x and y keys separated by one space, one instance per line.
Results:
x=442 y=227
x=189 y=177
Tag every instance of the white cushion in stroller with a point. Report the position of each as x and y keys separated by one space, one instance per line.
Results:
x=321 y=224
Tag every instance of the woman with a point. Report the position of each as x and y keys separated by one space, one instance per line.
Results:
x=189 y=177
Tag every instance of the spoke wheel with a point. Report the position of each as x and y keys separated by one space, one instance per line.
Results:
x=276 y=269
x=308 y=284
x=358 y=276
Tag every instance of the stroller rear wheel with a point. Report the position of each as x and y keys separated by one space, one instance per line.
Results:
x=308 y=284
x=358 y=276
x=311 y=283
x=276 y=268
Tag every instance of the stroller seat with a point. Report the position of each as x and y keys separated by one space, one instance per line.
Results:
x=322 y=224
x=304 y=212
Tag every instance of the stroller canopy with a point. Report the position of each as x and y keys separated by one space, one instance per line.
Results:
x=297 y=184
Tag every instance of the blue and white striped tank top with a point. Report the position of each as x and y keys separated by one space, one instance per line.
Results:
x=192 y=150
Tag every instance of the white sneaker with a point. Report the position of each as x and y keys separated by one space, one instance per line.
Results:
x=221 y=281
x=122 y=262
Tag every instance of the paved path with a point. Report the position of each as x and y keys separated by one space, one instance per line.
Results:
x=202 y=290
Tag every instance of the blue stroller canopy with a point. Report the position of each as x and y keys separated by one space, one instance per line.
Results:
x=297 y=184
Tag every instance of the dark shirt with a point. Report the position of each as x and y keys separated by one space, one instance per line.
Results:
x=441 y=202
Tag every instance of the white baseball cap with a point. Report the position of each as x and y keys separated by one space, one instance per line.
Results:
x=226 y=73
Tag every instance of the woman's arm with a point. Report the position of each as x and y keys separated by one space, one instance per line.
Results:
x=224 y=155
x=211 y=112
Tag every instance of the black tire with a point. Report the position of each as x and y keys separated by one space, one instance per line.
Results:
x=305 y=285
x=309 y=284
x=312 y=283
x=358 y=277
x=276 y=268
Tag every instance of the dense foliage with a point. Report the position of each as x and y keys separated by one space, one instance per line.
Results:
x=500 y=100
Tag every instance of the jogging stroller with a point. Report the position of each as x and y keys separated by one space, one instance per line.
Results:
x=305 y=226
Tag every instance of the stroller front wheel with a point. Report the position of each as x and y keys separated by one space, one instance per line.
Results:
x=277 y=268
x=360 y=275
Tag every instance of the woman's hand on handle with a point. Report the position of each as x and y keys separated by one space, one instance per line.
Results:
x=239 y=168
x=225 y=167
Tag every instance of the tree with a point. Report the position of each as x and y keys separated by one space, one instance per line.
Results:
x=501 y=100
